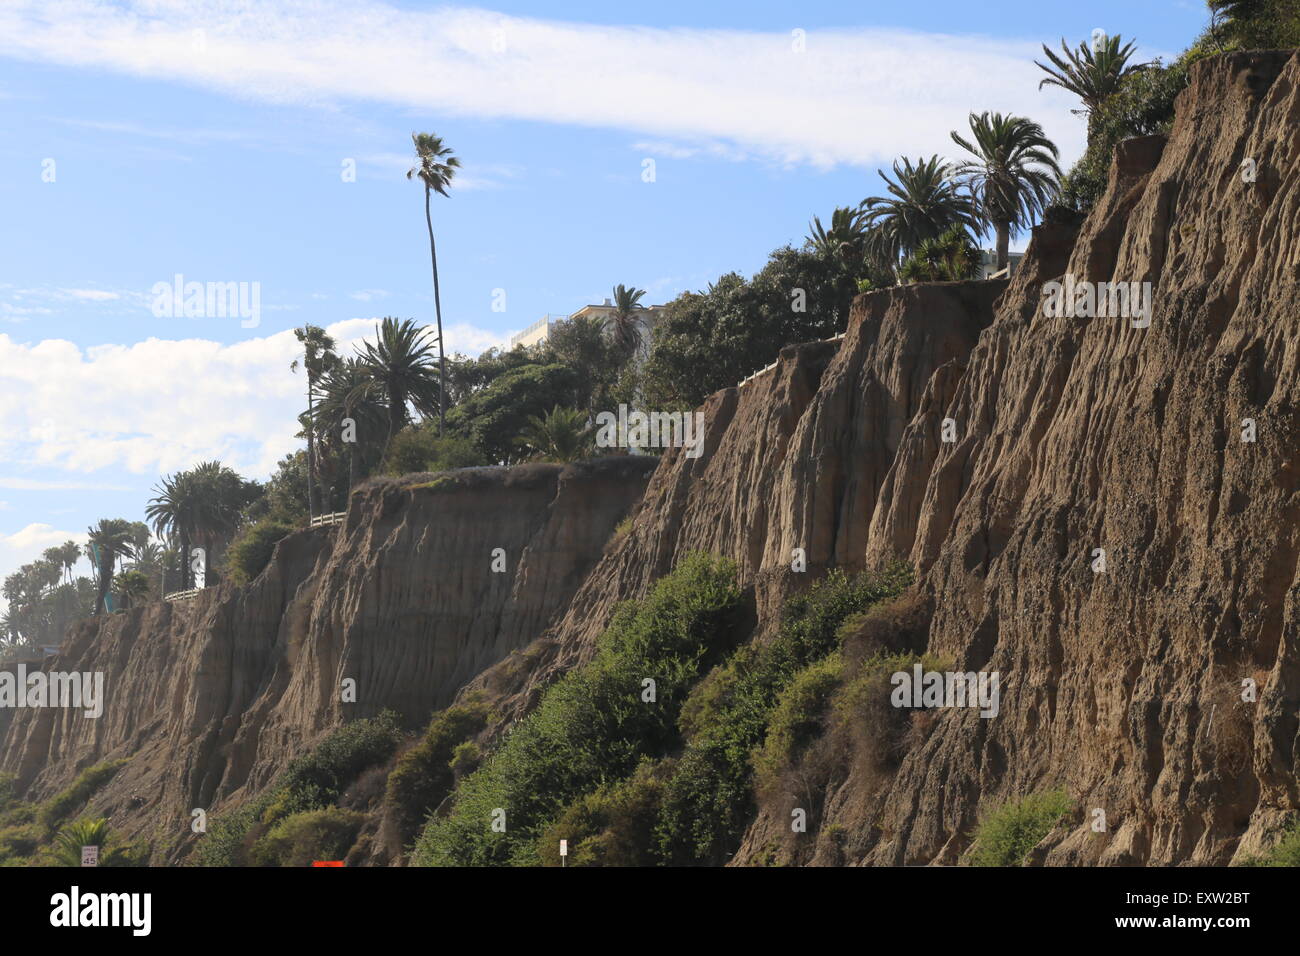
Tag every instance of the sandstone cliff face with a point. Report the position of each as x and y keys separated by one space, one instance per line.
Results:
x=211 y=698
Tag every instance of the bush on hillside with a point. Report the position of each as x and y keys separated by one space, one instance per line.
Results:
x=614 y=825
x=594 y=725
x=310 y=782
x=251 y=551
x=1285 y=852
x=1006 y=835
x=302 y=838
x=425 y=774
x=319 y=778
x=710 y=799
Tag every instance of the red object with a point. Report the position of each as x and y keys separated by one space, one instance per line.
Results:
x=326 y=862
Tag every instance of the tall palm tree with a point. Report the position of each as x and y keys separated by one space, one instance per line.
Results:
x=624 y=323
x=318 y=358
x=1013 y=176
x=435 y=166
x=401 y=362
x=108 y=539
x=174 y=511
x=1093 y=75
x=64 y=557
x=222 y=496
x=562 y=435
x=924 y=203
x=349 y=390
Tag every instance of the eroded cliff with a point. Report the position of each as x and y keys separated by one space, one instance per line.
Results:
x=210 y=698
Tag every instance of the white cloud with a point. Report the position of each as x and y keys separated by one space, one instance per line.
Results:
x=92 y=295
x=852 y=95
x=366 y=295
x=161 y=405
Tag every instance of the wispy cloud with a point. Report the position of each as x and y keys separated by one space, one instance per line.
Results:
x=31 y=484
x=844 y=96
x=192 y=137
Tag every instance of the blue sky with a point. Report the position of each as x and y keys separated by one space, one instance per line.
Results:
x=209 y=138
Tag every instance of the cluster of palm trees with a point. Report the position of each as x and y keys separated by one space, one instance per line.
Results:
x=46 y=595
x=921 y=229
x=201 y=507
x=931 y=204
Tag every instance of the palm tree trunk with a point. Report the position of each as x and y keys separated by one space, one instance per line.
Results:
x=1004 y=245
x=313 y=497
x=352 y=466
x=437 y=308
x=185 y=561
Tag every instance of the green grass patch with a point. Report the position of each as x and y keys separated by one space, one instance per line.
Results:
x=89 y=782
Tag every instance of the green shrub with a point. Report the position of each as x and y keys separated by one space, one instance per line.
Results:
x=89 y=782
x=593 y=725
x=319 y=778
x=797 y=716
x=302 y=838
x=1008 y=834
x=310 y=782
x=465 y=758
x=424 y=775
x=418 y=448
x=614 y=826
x=228 y=836
x=710 y=799
x=20 y=841
x=252 y=548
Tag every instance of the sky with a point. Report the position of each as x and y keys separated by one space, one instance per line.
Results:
x=145 y=143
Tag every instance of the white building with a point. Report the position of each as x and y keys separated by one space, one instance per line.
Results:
x=989 y=262
x=540 y=331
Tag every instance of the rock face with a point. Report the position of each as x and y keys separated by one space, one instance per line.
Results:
x=210 y=698
x=1071 y=434
x=1002 y=451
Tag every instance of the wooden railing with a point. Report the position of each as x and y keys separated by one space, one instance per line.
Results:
x=181 y=595
x=764 y=371
x=321 y=520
